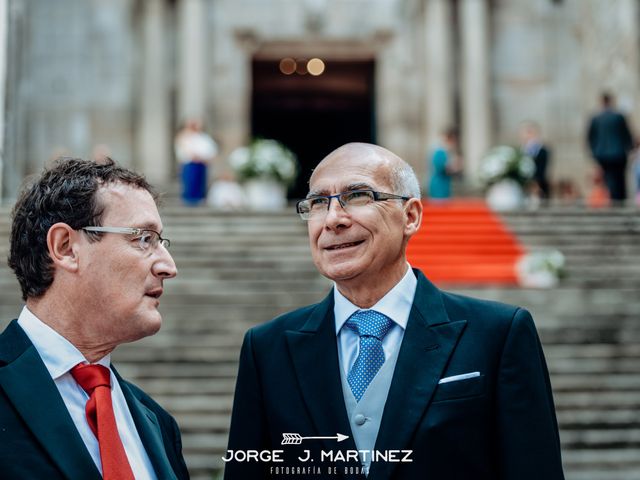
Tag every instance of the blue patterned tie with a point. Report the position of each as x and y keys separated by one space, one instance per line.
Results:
x=372 y=327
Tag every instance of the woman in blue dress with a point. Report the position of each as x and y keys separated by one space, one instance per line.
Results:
x=445 y=162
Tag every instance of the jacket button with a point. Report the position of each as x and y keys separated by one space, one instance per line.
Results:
x=359 y=419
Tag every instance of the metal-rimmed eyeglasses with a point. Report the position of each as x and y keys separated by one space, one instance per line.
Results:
x=147 y=239
x=318 y=205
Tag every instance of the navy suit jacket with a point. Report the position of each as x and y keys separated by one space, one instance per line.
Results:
x=38 y=439
x=500 y=425
x=609 y=137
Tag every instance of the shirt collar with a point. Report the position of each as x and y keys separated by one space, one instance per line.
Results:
x=58 y=354
x=396 y=304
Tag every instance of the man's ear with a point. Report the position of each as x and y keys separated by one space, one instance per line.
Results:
x=61 y=243
x=413 y=216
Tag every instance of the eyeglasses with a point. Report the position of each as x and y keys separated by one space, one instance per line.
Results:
x=147 y=239
x=319 y=205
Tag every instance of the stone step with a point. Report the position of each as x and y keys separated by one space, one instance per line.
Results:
x=200 y=351
x=563 y=300
x=602 y=439
x=613 y=459
x=216 y=423
x=608 y=399
x=226 y=339
x=200 y=371
x=595 y=365
x=260 y=252
x=190 y=281
x=604 y=350
x=600 y=473
x=186 y=386
x=204 y=443
x=194 y=404
x=236 y=319
x=203 y=465
x=598 y=418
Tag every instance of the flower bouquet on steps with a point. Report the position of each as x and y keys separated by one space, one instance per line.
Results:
x=505 y=171
x=541 y=269
x=266 y=168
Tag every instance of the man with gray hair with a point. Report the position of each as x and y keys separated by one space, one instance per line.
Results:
x=388 y=376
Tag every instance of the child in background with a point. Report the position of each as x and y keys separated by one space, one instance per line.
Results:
x=599 y=194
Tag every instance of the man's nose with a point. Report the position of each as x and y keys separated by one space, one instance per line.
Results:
x=164 y=267
x=336 y=215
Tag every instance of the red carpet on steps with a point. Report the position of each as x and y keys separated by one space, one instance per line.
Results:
x=464 y=242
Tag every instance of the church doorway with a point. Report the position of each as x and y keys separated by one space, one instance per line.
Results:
x=313 y=114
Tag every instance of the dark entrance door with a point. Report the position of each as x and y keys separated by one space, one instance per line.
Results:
x=313 y=115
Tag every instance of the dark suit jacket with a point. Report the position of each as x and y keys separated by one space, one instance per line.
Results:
x=38 y=439
x=541 y=161
x=609 y=137
x=498 y=426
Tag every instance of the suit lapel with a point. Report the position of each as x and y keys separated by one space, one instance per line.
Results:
x=314 y=353
x=28 y=385
x=148 y=428
x=428 y=342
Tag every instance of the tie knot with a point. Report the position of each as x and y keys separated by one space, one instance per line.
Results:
x=369 y=323
x=91 y=376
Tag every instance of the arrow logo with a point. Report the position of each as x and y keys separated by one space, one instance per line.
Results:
x=296 y=438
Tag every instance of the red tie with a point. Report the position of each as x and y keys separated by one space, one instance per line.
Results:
x=96 y=381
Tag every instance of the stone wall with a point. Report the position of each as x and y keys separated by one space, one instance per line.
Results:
x=550 y=61
x=125 y=72
x=69 y=84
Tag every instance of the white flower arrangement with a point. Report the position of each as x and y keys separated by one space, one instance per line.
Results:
x=541 y=269
x=264 y=159
x=505 y=162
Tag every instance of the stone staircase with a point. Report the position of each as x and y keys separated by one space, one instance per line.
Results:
x=590 y=328
x=237 y=270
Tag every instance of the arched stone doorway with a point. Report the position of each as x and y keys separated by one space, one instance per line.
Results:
x=310 y=114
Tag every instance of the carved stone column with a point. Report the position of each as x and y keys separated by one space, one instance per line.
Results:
x=154 y=136
x=4 y=26
x=439 y=67
x=192 y=60
x=477 y=122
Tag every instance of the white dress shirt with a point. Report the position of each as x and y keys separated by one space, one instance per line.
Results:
x=60 y=356
x=396 y=305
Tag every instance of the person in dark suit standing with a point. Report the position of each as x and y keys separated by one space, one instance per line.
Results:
x=610 y=141
x=87 y=250
x=533 y=147
x=388 y=376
